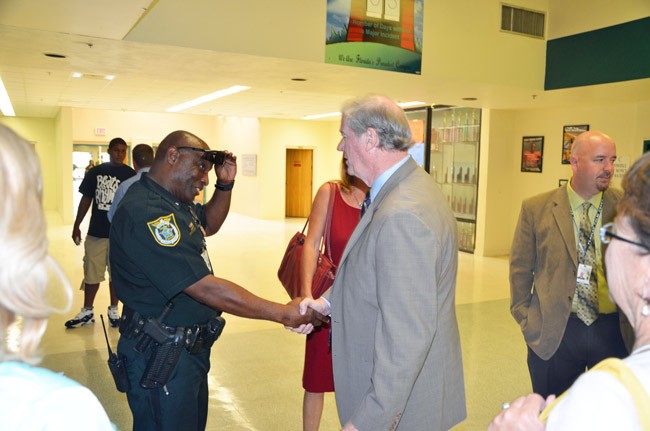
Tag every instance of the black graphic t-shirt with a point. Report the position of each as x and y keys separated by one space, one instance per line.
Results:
x=100 y=184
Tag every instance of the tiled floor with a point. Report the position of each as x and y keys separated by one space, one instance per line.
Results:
x=255 y=380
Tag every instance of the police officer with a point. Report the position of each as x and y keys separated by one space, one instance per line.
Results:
x=158 y=256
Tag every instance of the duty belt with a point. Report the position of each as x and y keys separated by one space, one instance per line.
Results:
x=196 y=337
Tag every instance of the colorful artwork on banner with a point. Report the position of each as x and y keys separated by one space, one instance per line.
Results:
x=375 y=34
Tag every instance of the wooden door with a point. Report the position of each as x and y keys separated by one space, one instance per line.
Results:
x=298 y=185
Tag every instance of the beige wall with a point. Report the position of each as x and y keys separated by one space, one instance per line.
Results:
x=578 y=16
x=467 y=45
x=506 y=186
x=260 y=196
x=40 y=132
x=278 y=135
x=502 y=185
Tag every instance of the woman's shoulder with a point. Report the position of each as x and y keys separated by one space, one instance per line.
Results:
x=35 y=377
x=25 y=389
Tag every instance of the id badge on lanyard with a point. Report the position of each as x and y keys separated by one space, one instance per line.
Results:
x=584 y=274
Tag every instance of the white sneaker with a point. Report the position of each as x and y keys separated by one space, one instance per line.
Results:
x=113 y=316
x=84 y=317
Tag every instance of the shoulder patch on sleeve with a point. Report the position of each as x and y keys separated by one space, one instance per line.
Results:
x=165 y=230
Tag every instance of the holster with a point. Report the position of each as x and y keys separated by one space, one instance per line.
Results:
x=201 y=337
x=163 y=344
x=163 y=360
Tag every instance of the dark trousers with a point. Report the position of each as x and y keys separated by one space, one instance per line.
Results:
x=581 y=348
x=181 y=406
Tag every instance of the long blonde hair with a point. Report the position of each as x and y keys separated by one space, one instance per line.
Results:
x=26 y=268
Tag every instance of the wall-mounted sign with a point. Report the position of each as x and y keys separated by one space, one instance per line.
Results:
x=249 y=164
x=621 y=165
x=375 y=34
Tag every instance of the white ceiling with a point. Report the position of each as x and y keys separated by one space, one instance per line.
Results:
x=159 y=63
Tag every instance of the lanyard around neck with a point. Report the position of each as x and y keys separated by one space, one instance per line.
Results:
x=593 y=228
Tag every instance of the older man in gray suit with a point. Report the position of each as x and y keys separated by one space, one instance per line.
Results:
x=395 y=342
x=559 y=294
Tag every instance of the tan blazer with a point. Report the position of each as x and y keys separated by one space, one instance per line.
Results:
x=395 y=341
x=543 y=267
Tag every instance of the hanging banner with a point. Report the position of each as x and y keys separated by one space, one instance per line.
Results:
x=376 y=34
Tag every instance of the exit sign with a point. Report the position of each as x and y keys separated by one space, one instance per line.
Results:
x=100 y=131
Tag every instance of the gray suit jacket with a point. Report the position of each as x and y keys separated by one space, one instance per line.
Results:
x=395 y=341
x=543 y=267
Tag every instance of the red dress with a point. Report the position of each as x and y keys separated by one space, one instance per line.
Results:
x=317 y=374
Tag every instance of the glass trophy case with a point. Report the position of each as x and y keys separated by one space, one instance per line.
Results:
x=447 y=146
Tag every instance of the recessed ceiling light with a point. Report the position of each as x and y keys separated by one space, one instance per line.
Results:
x=208 y=98
x=53 y=55
x=470 y=99
x=76 y=74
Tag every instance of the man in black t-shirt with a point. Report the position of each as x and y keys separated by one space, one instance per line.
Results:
x=98 y=188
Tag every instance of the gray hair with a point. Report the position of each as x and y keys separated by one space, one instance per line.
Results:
x=381 y=114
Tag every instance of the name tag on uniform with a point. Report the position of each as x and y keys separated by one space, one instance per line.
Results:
x=206 y=258
x=584 y=274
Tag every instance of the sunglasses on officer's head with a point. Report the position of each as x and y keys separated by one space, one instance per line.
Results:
x=215 y=157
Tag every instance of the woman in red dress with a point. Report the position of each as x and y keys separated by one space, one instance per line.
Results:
x=317 y=374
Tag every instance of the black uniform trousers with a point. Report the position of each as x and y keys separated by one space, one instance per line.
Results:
x=182 y=405
x=581 y=348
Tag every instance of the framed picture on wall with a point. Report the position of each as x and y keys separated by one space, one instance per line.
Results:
x=569 y=133
x=532 y=153
x=561 y=182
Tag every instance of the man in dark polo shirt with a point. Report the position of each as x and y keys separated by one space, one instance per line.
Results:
x=158 y=256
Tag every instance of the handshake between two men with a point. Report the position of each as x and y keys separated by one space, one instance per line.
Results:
x=316 y=310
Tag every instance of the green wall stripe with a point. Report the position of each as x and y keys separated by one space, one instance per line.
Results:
x=611 y=54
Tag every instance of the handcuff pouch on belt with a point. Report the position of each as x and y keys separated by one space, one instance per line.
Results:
x=163 y=344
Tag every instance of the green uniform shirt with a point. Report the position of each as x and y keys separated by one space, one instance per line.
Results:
x=157 y=249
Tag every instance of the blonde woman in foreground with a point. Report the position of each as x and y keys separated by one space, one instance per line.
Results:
x=32 y=286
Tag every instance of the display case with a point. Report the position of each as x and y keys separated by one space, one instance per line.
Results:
x=447 y=146
x=454 y=160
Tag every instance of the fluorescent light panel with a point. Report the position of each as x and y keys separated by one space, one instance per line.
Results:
x=92 y=76
x=334 y=114
x=208 y=98
x=409 y=104
x=5 y=103
x=316 y=116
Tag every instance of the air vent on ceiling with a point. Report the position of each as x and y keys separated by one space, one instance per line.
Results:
x=522 y=21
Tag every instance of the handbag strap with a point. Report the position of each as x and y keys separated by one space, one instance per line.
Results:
x=622 y=372
x=328 y=222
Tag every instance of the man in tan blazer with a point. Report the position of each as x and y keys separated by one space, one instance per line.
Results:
x=395 y=341
x=545 y=261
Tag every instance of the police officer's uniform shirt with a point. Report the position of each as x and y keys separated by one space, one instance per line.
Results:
x=157 y=249
x=100 y=184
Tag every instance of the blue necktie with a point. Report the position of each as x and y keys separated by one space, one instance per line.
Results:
x=366 y=204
